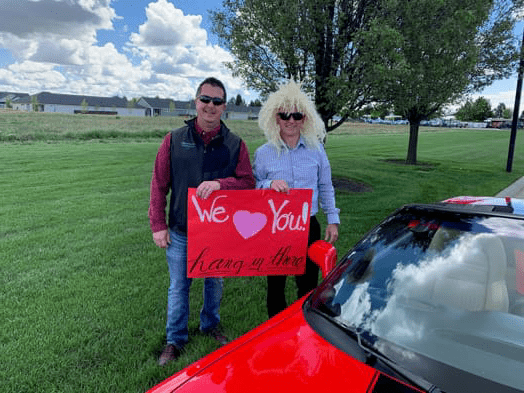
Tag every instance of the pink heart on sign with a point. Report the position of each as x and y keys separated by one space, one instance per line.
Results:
x=248 y=224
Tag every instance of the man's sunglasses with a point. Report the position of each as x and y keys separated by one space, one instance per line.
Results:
x=295 y=115
x=216 y=100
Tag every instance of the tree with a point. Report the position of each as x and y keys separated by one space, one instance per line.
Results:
x=501 y=112
x=478 y=110
x=34 y=103
x=84 y=105
x=416 y=56
x=465 y=112
x=315 y=42
x=239 y=100
x=430 y=53
x=132 y=102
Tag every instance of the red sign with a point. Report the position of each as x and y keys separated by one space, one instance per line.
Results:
x=248 y=233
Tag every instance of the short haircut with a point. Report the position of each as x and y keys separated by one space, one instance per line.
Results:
x=213 y=82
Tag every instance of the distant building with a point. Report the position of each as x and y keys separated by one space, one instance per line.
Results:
x=8 y=98
x=163 y=106
x=144 y=106
x=168 y=107
x=499 y=123
x=236 y=112
x=72 y=104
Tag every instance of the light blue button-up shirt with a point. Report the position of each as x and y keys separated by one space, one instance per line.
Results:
x=300 y=167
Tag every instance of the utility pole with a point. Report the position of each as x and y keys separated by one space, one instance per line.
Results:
x=514 y=124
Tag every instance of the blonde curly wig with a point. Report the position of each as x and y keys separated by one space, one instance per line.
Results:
x=290 y=98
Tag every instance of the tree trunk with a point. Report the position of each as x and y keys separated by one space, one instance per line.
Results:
x=413 y=141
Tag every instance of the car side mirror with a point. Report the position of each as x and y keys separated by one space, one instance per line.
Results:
x=324 y=254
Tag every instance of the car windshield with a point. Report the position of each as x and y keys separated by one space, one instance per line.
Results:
x=436 y=285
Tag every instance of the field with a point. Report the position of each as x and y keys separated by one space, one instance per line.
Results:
x=83 y=286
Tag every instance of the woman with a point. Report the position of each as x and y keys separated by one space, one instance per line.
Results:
x=294 y=157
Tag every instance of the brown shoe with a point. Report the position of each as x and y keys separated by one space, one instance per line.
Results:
x=217 y=335
x=170 y=353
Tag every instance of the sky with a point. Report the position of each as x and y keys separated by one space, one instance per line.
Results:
x=128 y=48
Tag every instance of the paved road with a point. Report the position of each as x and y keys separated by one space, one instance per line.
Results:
x=515 y=190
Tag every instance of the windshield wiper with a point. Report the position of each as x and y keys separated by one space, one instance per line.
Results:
x=373 y=355
x=415 y=379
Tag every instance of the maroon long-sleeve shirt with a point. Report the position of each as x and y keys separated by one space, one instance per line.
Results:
x=161 y=180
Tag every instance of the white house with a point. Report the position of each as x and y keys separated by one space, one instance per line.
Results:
x=8 y=98
x=66 y=103
x=145 y=106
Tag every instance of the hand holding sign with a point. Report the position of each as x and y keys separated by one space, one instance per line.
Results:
x=248 y=233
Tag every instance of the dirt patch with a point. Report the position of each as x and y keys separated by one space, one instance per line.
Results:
x=348 y=185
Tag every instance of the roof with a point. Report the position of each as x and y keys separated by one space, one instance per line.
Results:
x=77 y=100
x=166 y=103
x=243 y=108
x=7 y=95
x=47 y=98
x=184 y=104
x=149 y=102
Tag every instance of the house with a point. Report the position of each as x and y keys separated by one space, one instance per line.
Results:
x=185 y=108
x=158 y=106
x=145 y=106
x=167 y=107
x=241 y=112
x=8 y=98
x=66 y=103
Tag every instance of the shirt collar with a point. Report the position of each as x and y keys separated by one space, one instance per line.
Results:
x=206 y=136
x=301 y=143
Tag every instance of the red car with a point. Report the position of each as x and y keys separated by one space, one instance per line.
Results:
x=431 y=300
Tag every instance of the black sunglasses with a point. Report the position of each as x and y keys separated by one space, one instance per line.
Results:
x=216 y=100
x=295 y=115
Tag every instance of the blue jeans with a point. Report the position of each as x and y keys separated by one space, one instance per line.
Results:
x=178 y=295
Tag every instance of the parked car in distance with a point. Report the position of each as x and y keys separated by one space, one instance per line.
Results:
x=430 y=300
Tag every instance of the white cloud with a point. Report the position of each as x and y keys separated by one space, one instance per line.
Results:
x=29 y=76
x=63 y=51
x=176 y=44
x=52 y=31
x=503 y=97
x=21 y=49
x=500 y=92
x=28 y=19
x=168 y=26
x=54 y=46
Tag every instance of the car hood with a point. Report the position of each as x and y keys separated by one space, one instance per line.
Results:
x=282 y=355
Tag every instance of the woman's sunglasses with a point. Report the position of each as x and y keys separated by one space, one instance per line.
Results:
x=216 y=100
x=295 y=115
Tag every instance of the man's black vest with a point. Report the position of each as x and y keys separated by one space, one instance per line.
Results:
x=193 y=162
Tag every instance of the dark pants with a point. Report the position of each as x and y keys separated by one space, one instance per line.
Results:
x=276 y=285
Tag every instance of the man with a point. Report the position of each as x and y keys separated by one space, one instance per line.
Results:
x=204 y=155
x=294 y=157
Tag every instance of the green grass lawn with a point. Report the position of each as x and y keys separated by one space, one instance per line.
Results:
x=83 y=288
